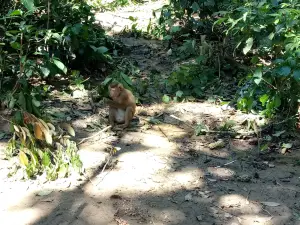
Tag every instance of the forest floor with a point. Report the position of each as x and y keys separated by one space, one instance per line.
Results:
x=163 y=173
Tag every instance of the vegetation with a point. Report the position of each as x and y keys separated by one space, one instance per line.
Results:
x=38 y=41
x=262 y=35
x=246 y=52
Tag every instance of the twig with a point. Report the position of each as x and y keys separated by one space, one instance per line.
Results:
x=103 y=130
x=163 y=133
x=226 y=164
x=108 y=160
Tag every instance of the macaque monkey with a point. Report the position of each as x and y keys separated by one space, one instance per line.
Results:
x=122 y=106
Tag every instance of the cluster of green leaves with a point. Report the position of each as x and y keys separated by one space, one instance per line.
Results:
x=41 y=42
x=269 y=33
x=265 y=35
x=42 y=148
x=38 y=41
x=191 y=80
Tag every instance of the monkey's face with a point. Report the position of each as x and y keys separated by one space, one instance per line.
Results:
x=114 y=92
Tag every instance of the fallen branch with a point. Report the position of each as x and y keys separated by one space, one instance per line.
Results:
x=99 y=132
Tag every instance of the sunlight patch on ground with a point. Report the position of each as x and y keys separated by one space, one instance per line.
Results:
x=224 y=173
x=117 y=21
x=21 y=217
x=239 y=203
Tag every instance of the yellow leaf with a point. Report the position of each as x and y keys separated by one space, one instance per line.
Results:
x=23 y=158
x=38 y=133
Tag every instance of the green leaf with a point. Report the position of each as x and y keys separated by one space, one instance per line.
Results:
x=107 y=80
x=36 y=102
x=126 y=78
x=277 y=101
x=248 y=46
x=60 y=65
x=296 y=75
x=195 y=6
x=102 y=49
x=257 y=76
x=179 y=94
x=168 y=37
x=23 y=158
x=46 y=159
x=18 y=117
x=284 y=71
x=175 y=29
x=29 y=4
x=22 y=101
x=263 y=99
x=56 y=36
x=63 y=170
x=287 y=145
x=132 y=18
x=17 y=12
x=271 y=36
x=45 y=71
x=166 y=99
x=15 y=45
x=12 y=103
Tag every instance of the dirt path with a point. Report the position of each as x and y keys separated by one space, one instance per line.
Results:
x=162 y=174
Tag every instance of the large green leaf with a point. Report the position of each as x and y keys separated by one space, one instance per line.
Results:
x=29 y=4
x=195 y=6
x=22 y=101
x=284 y=71
x=16 y=13
x=248 y=46
x=23 y=158
x=126 y=78
x=15 y=45
x=60 y=65
x=46 y=159
x=45 y=71
x=257 y=76
x=296 y=74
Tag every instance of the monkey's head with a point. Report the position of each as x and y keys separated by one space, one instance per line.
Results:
x=115 y=90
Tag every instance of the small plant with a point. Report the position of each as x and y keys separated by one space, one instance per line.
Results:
x=43 y=148
x=77 y=80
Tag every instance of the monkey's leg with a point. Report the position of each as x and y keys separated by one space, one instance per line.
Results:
x=128 y=117
x=112 y=116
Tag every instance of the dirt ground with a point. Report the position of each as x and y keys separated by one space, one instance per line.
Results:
x=162 y=175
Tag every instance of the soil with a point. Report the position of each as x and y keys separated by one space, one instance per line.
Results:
x=161 y=174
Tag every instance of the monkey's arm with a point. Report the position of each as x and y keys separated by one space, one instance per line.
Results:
x=116 y=104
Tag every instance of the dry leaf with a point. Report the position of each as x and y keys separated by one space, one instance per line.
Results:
x=16 y=128
x=45 y=126
x=69 y=129
x=24 y=133
x=48 y=137
x=51 y=126
x=38 y=133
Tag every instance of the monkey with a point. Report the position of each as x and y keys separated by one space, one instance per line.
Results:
x=122 y=106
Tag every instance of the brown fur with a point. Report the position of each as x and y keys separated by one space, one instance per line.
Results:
x=122 y=106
